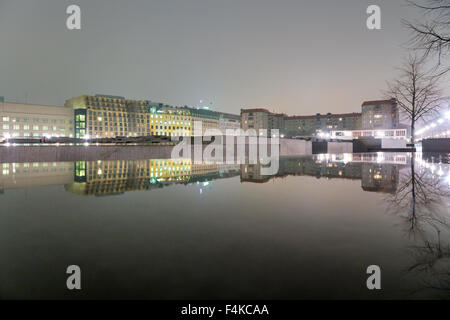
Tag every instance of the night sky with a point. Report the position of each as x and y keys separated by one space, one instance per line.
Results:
x=291 y=56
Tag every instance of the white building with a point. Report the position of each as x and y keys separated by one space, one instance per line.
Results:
x=18 y=120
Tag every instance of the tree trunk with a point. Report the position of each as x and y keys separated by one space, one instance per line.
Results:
x=413 y=138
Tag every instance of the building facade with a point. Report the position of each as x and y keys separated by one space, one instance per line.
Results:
x=205 y=118
x=260 y=119
x=291 y=126
x=321 y=123
x=228 y=121
x=19 y=120
x=103 y=116
x=380 y=114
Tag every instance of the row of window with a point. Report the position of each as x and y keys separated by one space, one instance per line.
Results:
x=35 y=135
x=27 y=127
x=35 y=120
x=100 y=114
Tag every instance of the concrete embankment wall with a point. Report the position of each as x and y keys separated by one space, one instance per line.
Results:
x=332 y=147
x=340 y=147
x=290 y=147
x=436 y=145
x=51 y=153
x=81 y=153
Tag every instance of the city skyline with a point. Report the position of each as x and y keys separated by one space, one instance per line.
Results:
x=238 y=55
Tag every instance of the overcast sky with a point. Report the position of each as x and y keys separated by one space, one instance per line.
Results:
x=292 y=56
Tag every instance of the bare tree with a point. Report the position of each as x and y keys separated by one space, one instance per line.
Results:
x=420 y=200
x=416 y=91
x=432 y=36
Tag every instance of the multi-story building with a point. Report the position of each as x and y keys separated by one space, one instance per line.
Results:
x=312 y=125
x=207 y=118
x=103 y=116
x=19 y=120
x=290 y=126
x=262 y=119
x=228 y=121
x=380 y=114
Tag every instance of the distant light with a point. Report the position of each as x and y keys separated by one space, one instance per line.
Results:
x=282 y=135
x=86 y=137
x=440 y=121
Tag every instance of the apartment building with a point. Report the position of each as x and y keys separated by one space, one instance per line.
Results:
x=380 y=114
x=290 y=126
x=314 y=124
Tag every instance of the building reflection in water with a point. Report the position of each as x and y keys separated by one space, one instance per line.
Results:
x=378 y=172
x=35 y=174
x=118 y=176
x=422 y=203
x=415 y=188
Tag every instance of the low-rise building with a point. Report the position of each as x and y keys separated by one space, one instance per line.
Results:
x=20 y=120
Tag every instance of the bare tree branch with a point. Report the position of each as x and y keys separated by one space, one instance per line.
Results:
x=432 y=37
x=416 y=91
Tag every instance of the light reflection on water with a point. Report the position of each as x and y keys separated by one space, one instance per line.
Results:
x=226 y=231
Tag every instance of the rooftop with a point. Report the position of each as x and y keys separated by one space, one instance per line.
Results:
x=372 y=102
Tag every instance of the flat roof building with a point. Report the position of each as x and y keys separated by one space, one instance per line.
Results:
x=290 y=126
x=380 y=114
x=103 y=116
x=20 y=120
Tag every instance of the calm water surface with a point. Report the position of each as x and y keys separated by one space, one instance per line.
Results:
x=172 y=229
